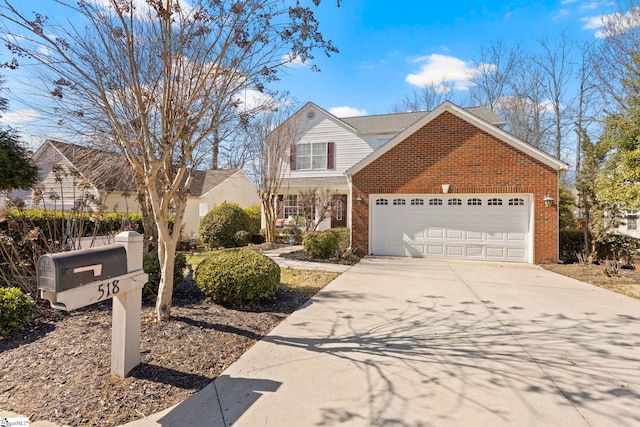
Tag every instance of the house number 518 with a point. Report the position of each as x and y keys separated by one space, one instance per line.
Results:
x=108 y=289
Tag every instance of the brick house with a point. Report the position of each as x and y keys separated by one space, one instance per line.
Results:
x=449 y=183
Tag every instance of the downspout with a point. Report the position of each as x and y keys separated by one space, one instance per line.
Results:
x=350 y=211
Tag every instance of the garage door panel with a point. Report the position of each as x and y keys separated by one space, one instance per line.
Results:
x=497 y=236
x=474 y=235
x=474 y=251
x=515 y=253
x=435 y=233
x=516 y=237
x=435 y=249
x=455 y=234
x=486 y=231
x=455 y=250
x=495 y=252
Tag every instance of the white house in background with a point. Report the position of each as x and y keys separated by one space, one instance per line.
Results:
x=329 y=146
x=82 y=174
x=629 y=225
x=213 y=187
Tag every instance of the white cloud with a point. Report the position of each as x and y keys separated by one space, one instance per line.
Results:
x=612 y=24
x=251 y=99
x=293 y=61
x=345 y=111
x=443 y=68
x=19 y=118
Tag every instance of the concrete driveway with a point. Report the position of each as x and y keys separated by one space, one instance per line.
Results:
x=415 y=342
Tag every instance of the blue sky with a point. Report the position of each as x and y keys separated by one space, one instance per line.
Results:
x=387 y=48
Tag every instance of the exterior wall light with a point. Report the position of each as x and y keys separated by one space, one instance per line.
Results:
x=548 y=200
x=359 y=201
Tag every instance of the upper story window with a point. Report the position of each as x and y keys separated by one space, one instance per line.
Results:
x=454 y=202
x=435 y=202
x=632 y=223
x=474 y=202
x=312 y=156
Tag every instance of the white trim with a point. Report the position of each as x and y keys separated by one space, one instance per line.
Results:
x=448 y=106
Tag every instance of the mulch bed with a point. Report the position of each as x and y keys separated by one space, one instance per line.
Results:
x=303 y=256
x=59 y=368
x=626 y=282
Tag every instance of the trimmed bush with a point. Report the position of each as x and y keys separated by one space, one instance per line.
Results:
x=239 y=276
x=619 y=247
x=255 y=218
x=16 y=310
x=571 y=244
x=242 y=238
x=219 y=226
x=151 y=266
x=321 y=244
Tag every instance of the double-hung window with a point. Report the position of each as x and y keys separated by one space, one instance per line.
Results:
x=313 y=156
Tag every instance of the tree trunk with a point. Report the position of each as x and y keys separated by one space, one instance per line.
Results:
x=269 y=217
x=166 y=256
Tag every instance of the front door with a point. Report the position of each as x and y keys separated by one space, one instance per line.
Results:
x=339 y=215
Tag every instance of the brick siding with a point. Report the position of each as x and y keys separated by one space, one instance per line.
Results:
x=449 y=150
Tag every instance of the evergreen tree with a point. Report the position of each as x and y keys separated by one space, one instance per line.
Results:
x=16 y=169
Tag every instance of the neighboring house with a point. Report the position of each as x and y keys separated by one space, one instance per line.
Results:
x=213 y=187
x=98 y=176
x=445 y=183
x=629 y=225
x=70 y=172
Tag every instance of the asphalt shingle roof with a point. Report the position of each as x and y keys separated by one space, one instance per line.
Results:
x=397 y=122
x=108 y=169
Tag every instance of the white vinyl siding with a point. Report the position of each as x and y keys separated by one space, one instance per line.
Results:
x=349 y=148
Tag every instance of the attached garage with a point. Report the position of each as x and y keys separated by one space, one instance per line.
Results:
x=453 y=185
x=494 y=227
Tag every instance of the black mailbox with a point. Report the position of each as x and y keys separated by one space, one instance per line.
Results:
x=66 y=270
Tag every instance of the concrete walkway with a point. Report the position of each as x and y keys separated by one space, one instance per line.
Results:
x=302 y=265
x=414 y=342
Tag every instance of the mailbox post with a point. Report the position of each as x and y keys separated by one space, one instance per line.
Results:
x=71 y=280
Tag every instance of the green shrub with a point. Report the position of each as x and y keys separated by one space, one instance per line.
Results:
x=617 y=247
x=321 y=244
x=16 y=309
x=344 y=238
x=255 y=218
x=151 y=266
x=239 y=276
x=571 y=244
x=219 y=226
x=242 y=238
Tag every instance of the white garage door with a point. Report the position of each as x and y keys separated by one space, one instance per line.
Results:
x=472 y=226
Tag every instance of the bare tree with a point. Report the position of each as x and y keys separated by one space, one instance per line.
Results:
x=557 y=73
x=495 y=67
x=524 y=109
x=317 y=205
x=613 y=57
x=156 y=79
x=272 y=135
x=426 y=99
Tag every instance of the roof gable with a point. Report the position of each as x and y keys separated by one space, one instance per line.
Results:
x=471 y=118
x=205 y=181
x=103 y=169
